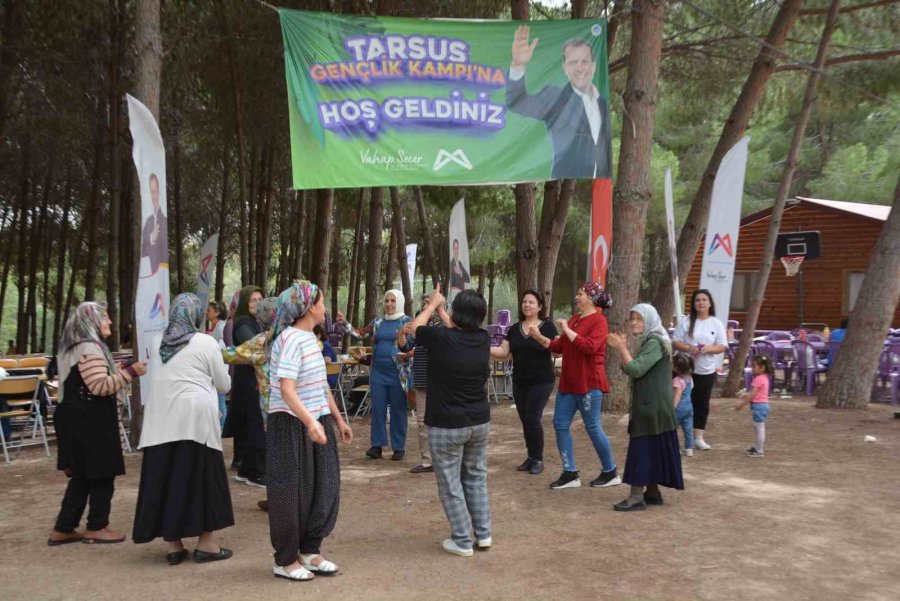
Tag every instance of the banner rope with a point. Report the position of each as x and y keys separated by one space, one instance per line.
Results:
x=267 y=5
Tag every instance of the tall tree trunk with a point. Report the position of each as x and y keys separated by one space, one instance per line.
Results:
x=115 y=168
x=38 y=233
x=849 y=379
x=22 y=318
x=252 y=214
x=390 y=272
x=353 y=290
x=47 y=240
x=176 y=206
x=334 y=272
x=237 y=98
x=11 y=243
x=373 y=255
x=633 y=189
x=147 y=77
x=61 y=261
x=265 y=229
x=322 y=244
x=93 y=224
x=735 y=376
x=400 y=230
x=527 y=253
x=554 y=214
x=74 y=266
x=491 y=274
x=431 y=263
x=299 y=233
x=224 y=208
x=127 y=276
x=288 y=221
x=310 y=235
x=11 y=32
x=694 y=227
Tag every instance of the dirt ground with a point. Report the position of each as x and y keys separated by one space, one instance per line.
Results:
x=817 y=518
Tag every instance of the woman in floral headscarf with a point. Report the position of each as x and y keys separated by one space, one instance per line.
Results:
x=582 y=383
x=87 y=425
x=184 y=488
x=302 y=457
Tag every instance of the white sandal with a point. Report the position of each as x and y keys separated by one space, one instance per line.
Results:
x=325 y=567
x=299 y=575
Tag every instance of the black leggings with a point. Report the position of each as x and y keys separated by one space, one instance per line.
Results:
x=703 y=385
x=75 y=500
x=530 y=402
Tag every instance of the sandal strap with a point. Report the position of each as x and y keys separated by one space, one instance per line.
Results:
x=324 y=565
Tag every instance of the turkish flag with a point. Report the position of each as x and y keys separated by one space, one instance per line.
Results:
x=601 y=229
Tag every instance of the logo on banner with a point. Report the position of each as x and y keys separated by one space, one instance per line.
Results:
x=723 y=242
x=600 y=245
x=204 y=269
x=457 y=156
x=157 y=310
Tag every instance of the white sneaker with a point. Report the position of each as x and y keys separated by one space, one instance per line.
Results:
x=701 y=444
x=451 y=547
x=485 y=543
x=240 y=478
x=687 y=452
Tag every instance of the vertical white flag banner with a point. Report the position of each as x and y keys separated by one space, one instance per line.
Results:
x=720 y=247
x=459 y=251
x=411 y=264
x=151 y=304
x=207 y=273
x=673 y=254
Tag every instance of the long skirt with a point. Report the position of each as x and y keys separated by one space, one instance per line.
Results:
x=654 y=460
x=183 y=492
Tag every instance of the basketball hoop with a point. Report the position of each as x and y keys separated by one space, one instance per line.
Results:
x=792 y=264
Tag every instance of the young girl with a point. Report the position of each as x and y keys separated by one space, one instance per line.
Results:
x=682 y=384
x=758 y=398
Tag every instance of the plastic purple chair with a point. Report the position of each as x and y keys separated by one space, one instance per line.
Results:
x=496 y=334
x=775 y=336
x=733 y=324
x=503 y=317
x=767 y=349
x=807 y=365
x=888 y=363
x=815 y=338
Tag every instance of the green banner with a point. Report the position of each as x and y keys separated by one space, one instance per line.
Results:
x=384 y=101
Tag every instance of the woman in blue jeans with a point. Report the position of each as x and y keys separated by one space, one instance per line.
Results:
x=384 y=380
x=582 y=384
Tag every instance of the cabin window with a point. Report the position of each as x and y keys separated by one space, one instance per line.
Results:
x=852 y=284
x=742 y=289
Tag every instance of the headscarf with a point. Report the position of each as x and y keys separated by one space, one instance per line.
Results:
x=243 y=307
x=398 y=306
x=185 y=318
x=293 y=303
x=652 y=326
x=82 y=328
x=597 y=294
x=266 y=311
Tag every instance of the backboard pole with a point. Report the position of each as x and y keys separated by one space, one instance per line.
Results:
x=800 y=292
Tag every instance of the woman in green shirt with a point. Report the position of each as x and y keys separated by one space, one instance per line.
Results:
x=653 y=457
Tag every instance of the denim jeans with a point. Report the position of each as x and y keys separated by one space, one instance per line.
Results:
x=383 y=395
x=589 y=406
x=759 y=412
x=222 y=410
x=684 y=417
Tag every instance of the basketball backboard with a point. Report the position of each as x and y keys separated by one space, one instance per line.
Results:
x=798 y=244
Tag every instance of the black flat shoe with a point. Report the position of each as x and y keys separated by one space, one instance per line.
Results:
x=374 y=453
x=536 y=467
x=526 y=465
x=176 y=557
x=204 y=557
x=398 y=456
x=422 y=469
x=653 y=499
x=626 y=506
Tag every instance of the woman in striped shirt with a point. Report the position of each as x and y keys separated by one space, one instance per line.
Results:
x=304 y=475
x=87 y=425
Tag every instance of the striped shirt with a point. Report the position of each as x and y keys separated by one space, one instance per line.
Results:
x=296 y=356
x=95 y=373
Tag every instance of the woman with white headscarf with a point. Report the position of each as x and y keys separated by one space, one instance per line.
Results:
x=87 y=425
x=183 y=491
x=653 y=454
x=384 y=381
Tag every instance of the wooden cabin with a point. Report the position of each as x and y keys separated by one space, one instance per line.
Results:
x=848 y=232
